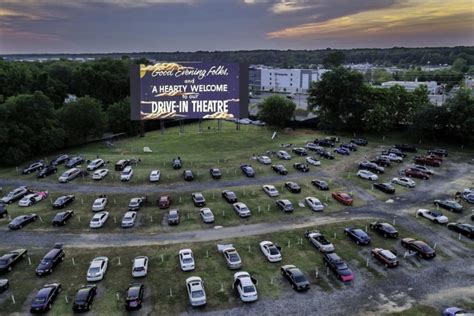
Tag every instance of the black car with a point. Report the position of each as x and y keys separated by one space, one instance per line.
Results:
x=367 y=165
x=4 y=284
x=395 y=151
x=326 y=154
x=248 y=170
x=59 y=159
x=338 y=266
x=8 y=260
x=33 y=167
x=122 y=164
x=188 y=175
x=15 y=195
x=61 y=218
x=325 y=143
x=320 y=184
x=438 y=152
x=84 y=298
x=50 y=260
x=300 y=151
x=419 y=247
x=293 y=187
x=215 y=173
x=385 y=229
x=449 y=205
x=134 y=297
x=74 y=162
x=358 y=235
x=385 y=187
x=3 y=210
x=173 y=217
x=280 y=169
x=21 y=221
x=47 y=171
x=382 y=161
x=359 y=141
x=297 y=279
x=198 y=199
x=63 y=201
x=229 y=196
x=464 y=229
x=303 y=167
x=176 y=163
x=406 y=148
x=350 y=146
x=45 y=297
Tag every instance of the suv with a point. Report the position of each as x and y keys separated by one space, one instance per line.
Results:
x=15 y=195
x=198 y=199
x=247 y=170
x=121 y=164
x=95 y=164
x=70 y=174
x=285 y=206
x=127 y=174
x=50 y=260
x=338 y=266
x=46 y=171
x=33 y=167
x=366 y=165
x=173 y=217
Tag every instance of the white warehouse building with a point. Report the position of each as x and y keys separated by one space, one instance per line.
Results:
x=432 y=86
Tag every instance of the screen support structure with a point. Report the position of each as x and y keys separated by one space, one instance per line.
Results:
x=181 y=127
x=162 y=127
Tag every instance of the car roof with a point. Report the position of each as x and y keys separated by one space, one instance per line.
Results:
x=388 y=254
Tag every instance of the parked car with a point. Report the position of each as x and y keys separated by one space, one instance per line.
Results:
x=462 y=228
x=232 y=258
x=342 y=151
x=326 y=154
x=406 y=148
x=61 y=218
x=300 y=151
x=312 y=161
x=385 y=229
x=33 y=198
x=15 y=195
x=63 y=201
x=100 y=174
x=196 y=292
x=385 y=187
x=270 y=190
x=350 y=146
x=342 y=197
x=70 y=175
x=122 y=164
x=423 y=169
x=136 y=203
x=283 y=155
x=241 y=209
x=140 y=266
x=313 y=147
x=293 y=187
x=198 y=199
x=264 y=160
x=415 y=173
x=99 y=219
x=59 y=159
x=154 y=176
x=320 y=184
x=468 y=195
x=95 y=164
x=280 y=169
x=129 y=219
x=84 y=298
x=176 y=163
x=126 y=174
x=285 y=205
x=426 y=160
x=134 y=296
x=338 y=267
x=297 y=279
x=385 y=257
x=420 y=247
x=325 y=142
x=74 y=162
x=10 y=259
x=319 y=241
x=303 y=167
x=164 y=201
x=382 y=161
x=47 y=171
x=438 y=152
x=22 y=220
x=455 y=311
x=449 y=205
x=33 y=167
x=247 y=170
x=435 y=216
x=368 y=175
x=314 y=204
x=3 y=210
x=206 y=215
x=186 y=260
x=51 y=260
x=404 y=181
x=359 y=141
x=392 y=157
x=245 y=285
x=359 y=236
x=395 y=151
x=99 y=203
x=188 y=175
x=173 y=217
x=97 y=269
x=367 y=165
x=229 y=196
x=271 y=251
x=215 y=173
x=45 y=298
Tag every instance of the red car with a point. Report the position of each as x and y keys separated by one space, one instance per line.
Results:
x=342 y=197
x=427 y=160
x=164 y=201
x=416 y=174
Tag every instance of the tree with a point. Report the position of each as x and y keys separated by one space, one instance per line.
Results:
x=119 y=118
x=276 y=110
x=460 y=65
x=334 y=60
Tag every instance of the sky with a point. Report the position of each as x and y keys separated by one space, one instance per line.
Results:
x=105 y=26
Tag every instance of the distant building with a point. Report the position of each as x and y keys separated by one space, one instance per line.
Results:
x=432 y=86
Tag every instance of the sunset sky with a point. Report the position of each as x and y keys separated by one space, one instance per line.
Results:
x=54 y=26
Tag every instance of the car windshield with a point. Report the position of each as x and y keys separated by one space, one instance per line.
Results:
x=341 y=265
x=82 y=296
x=249 y=289
x=173 y=215
x=139 y=269
x=273 y=250
x=197 y=294
x=40 y=300
x=187 y=260
x=300 y=278
x=234 y=257
x=46 y=261
x=133 y=292
x=95 y=219
x=94 y=270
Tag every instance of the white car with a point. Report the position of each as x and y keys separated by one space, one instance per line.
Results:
x=127 y=174
x=206 y=215
x=69 y=175
x=319 y=241
x=241 y=209
x=97 y=269
x=99 y=219
x=100 y=174
x=404 y=181
x=232 y=258
x=270 y=251
x=365 y=174
x=99 y=204
x=264 y=160
x=393 y=157
x=314 y=204
x=246 y=286
x=136 y=203
x=140 y=267
x=33 y=198
x=270 y=190
x=435 y=216
x=313 y=161
x=186 y=260
x=95 y=164
x=155 y=175
x=283 y=155
x=129 y=219
x=196 y=292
